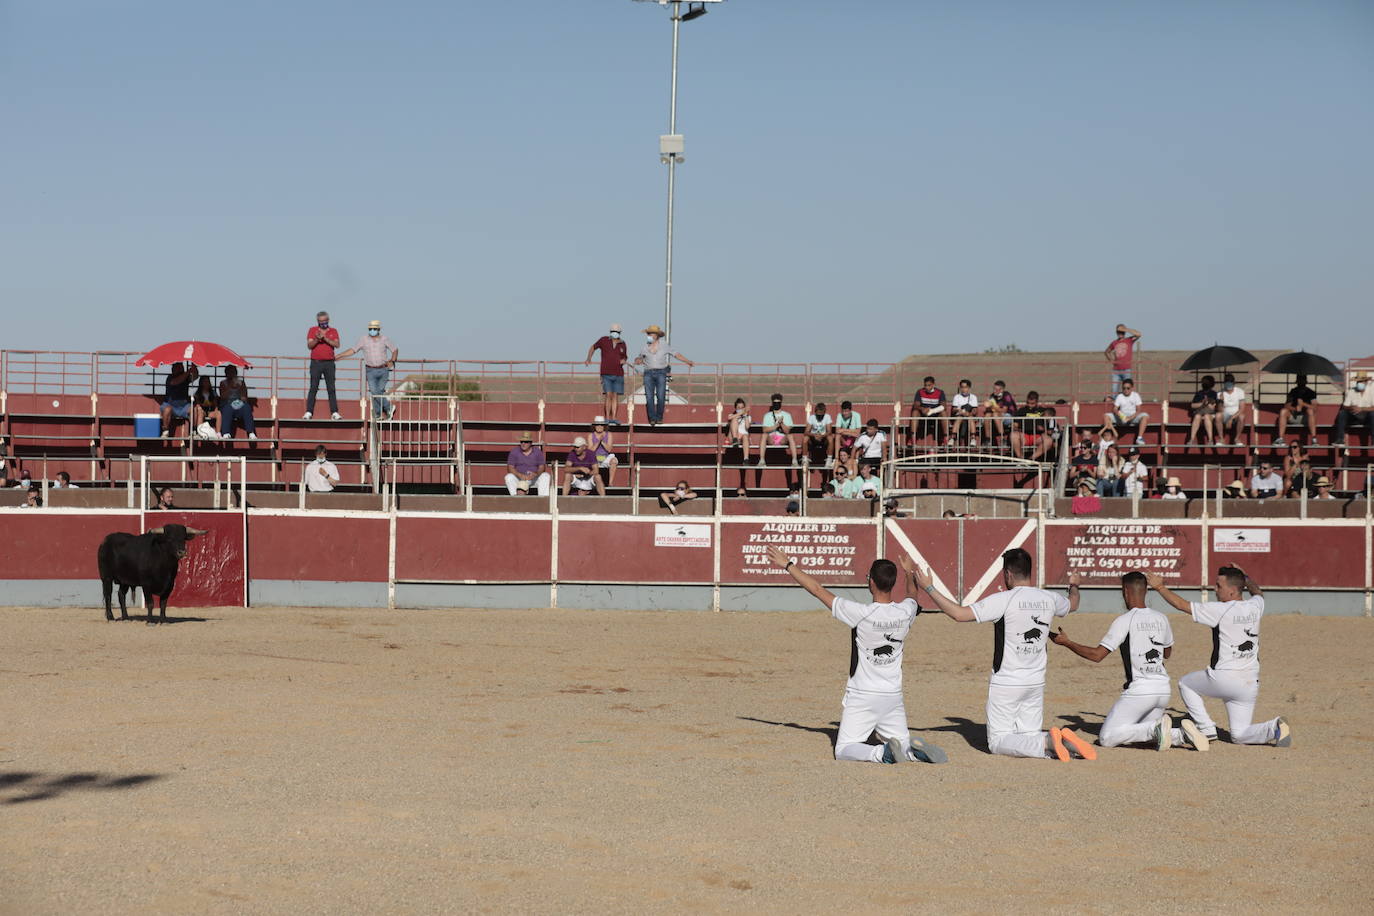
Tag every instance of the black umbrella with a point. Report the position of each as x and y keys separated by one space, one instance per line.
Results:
x=1215 y=357
x=1304 y=363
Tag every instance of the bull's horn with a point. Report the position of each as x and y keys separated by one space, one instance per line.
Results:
x=157 y=530
x=196 y=532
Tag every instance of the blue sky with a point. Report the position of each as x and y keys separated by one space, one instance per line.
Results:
x=863 y=180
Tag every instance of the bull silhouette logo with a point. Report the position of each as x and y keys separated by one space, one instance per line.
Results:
x=1246 y=646
x=883 y=651
x=1032 y=634
x=1152 y=655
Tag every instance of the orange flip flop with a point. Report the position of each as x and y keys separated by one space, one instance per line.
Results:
x=1080 y=747
x=1057 y=742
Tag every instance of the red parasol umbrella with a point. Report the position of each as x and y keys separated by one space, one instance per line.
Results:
x=195 y=352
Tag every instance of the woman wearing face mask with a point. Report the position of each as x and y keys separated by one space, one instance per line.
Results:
x=679 y=494
x=655 y=357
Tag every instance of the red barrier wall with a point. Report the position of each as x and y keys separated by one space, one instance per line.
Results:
x=1102 y=551
x=1307 y=556
x=41 y=546
x=625 y=551
x=315 y=549
x=834 y=552
x=211 y=573
x=477 y=549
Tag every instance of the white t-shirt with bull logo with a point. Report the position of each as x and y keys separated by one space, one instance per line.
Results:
x=1142 y=634
x=1235 y=633
x=878 y=633
x=1023 y=616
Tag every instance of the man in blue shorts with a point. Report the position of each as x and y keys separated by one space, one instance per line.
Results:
x=613 y=358
x=176 y=405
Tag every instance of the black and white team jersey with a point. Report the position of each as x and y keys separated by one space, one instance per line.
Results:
x=1022 y=618
x=878 y=632
x=1142 y=634
x=1235 y=633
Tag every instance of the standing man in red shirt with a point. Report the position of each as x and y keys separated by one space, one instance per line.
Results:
x=322 y=341
x=1121 y=354
x=613 y=359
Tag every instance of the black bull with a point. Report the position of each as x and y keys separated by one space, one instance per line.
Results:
x=147 y=561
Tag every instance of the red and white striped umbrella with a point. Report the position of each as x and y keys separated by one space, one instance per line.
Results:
x=194 y=352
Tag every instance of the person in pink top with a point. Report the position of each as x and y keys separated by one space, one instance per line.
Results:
x=322 y=340
x=1121 y=354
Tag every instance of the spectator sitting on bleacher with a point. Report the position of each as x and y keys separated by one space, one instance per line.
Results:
x=1134 y=474
x=234 y=405
x=737 y=428
x=793 y=505
x=176 y=403
x=600 y=445
x=1232 y=417
x=1265 y=484
x=582 y=474
x=1233 y=490
x=25 y=480
x=4 y=478
x=525 y=465
x=671 y=499
x=869 y=446
x=777 y=431
x=1084 y=458
x=818 y=434
x=845 y=459
x=741 y=493
x=1298 y=406
x=1357 y=408
x=1323 y=488
x=1173 y=489
x=1030 y=427
x=841 y=485
x=867 y=486
x=1127 y=413
x=1109 y=482
x=205 y=409
x=928 y=409
x=64 y=482
x=162 y=499
x=321 y=476
x=1295 y=456
x=1120 y=354
x=963 y=406
x=1300 y=481
x=847 y=428
x=1203 y=410
x=998 y=411
x=1106 y=437
x=33 y=499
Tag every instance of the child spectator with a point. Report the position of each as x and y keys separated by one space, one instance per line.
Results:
x=1134 y=474
x=1173 y=489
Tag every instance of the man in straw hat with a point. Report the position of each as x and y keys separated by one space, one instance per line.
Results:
x=1357 y=408
x=525 y=465
x=654 y=357
x=379 y=355
x=613 y=358
x=1323 y=486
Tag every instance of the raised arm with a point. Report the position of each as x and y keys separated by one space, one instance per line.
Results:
x=1132 y=332
x=1074 y=580
x=1091 y=653
x=926 y=582
x=1156 y=582
x=802 y=578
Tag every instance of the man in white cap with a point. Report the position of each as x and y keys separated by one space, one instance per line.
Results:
x=583 y=474
x=379 y=355
x=613 y=358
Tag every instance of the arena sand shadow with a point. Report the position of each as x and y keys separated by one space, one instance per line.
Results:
x=39 y=786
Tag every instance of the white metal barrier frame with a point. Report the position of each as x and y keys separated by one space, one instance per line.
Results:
x=241 y=508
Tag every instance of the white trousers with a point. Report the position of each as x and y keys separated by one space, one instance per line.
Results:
x=1133 y=718
x=1239 y=694
x=864 y=714
x=1015 y=715
x=541 y=483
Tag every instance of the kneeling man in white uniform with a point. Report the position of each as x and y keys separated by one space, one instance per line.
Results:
x=1145 y=639
x=873 y=695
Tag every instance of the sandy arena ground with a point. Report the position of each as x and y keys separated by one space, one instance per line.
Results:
x=322 y=761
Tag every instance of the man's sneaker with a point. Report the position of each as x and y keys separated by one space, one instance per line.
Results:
x=253 y=436
x=1077 y=744
x=1057 y=744
x=926 y=752
x=166 y=433
x=335 y=416
x=308 y=416
x=829 y=463
x=894 y=751
x=1163 y=733
x=1193 y=734
x=614 y=422
x=391 y=412
x=1283 y=735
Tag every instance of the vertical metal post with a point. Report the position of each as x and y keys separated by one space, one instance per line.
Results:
x=672 y=174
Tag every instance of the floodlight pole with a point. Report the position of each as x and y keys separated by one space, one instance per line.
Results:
x=672 y=159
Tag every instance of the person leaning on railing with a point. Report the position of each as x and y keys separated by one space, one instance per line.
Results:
x=379 y=356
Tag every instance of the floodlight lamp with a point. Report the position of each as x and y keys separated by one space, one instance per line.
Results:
x=694 y=11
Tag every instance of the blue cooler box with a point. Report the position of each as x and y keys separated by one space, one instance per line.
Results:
x=147 y=426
